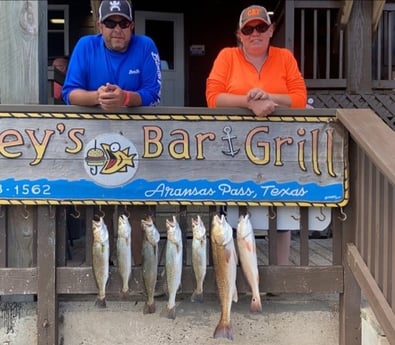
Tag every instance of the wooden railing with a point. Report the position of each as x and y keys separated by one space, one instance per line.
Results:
x=370 y=228
x=314 y=33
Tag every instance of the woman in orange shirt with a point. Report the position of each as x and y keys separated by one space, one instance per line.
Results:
x=259 y=77
x=255 y=75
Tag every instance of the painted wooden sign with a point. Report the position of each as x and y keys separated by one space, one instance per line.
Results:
x=66 y=158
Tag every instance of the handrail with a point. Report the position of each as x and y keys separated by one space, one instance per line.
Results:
x=373 y=136
x=369 y=255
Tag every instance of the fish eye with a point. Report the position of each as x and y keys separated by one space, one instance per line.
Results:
x=114 y=147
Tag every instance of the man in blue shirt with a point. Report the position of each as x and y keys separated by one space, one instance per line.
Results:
x=115 y=67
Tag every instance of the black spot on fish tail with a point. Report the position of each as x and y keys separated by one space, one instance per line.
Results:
x=223 y=330
x=197 y=297
x=149 y=308
x=171 y=313
x=101 y=303
x=256 y=305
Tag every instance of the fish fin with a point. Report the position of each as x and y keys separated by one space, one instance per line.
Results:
x=101 y=303
x=223 y=330
x=256 y=305
x=228 y=255
x=249 y=246
x=149 y=308
x=197 y=297
x=235 y=297
x=235 y=256
x=171 y=313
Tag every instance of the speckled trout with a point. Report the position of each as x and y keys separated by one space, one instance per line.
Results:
x=225 y=268
x=100 y=259
x=199 y=256
x=124 y=252
x=248 y=260
x=173 y=263
x=150 y=262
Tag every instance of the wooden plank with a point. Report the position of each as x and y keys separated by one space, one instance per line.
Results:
x=391 y=270
x=21 y=63
x=304 y=236
x=47 y=299
x=278 y=279
x=321 y=252
x=386 y=240
x=272 y=237
x=62 y=236
x=319 y=255
x=336 y=238
x=349 y=313
x=3 y=236
x=18 y=281
x=385 y=315
x=262 y=250
x=89 y=211
x=20 y=236
x=359 y=38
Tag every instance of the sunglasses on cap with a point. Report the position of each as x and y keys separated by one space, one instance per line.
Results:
x=111 y=24
x=260 y=28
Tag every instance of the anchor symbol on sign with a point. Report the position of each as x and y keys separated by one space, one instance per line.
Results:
x=231 y=152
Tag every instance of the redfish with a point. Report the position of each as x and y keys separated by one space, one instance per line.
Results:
x=248 y=259
x=225 y=268
x=173 y=263
x=150 y=262
x=100 y=259
x=199 y=256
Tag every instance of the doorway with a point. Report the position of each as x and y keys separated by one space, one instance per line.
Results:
x=167 y=31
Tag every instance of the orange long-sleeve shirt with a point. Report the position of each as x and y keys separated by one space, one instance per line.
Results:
x=232 y=73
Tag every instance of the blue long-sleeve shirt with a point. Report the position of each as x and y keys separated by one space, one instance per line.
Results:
x=93 y=65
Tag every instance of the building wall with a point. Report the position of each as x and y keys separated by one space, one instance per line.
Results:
x=19 y=52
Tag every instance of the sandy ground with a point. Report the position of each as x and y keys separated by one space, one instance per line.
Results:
x=285 y=320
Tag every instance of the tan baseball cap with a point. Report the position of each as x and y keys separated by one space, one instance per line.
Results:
x=254 y=12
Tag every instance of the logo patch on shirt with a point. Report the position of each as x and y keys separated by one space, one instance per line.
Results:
x=134 y=71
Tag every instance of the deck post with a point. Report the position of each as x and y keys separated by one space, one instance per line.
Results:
x=47 y=303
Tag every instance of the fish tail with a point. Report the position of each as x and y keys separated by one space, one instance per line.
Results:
x=101 y=302
x=197 y=297
x=124 y=293
x=171 y=313
x=223 y=330
x=256 y=305
x=149 y=308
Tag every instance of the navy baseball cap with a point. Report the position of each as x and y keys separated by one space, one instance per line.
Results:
x=115 y=7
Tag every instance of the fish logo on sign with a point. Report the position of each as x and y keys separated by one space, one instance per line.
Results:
x=111 y=159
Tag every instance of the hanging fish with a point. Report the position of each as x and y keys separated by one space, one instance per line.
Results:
x=248 y=259
x=199 y=257
x=225 y=268
x=150 y=262
x=124 y=252
x=173 y=263
x=100 y=259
